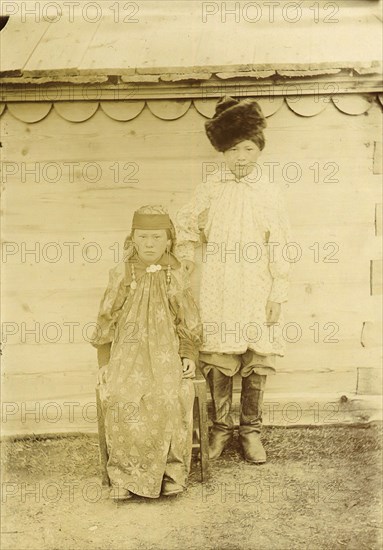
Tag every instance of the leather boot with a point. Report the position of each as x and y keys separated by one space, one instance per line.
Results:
x=251 y=418
x=221 y=389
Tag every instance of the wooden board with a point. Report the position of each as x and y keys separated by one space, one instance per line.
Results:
x=36 y=261
x=378 y=161
x=342 y=133
x=376 y=277
x=115 y=206
x=378 y=219
x=122 y=111
x=74 y=386
x=155 y=38
x=77 y=111
x=69 y=40
x=186 y=37
x=111 y=51
x=371 y=334
x=289 y=410
x=29 y=113
x=324 y=301
x=319 y=46
x=18 y=45
x=369 y=380
x=73 y=353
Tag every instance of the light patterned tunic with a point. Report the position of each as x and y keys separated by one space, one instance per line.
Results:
x=148 y=405
x=245 y=260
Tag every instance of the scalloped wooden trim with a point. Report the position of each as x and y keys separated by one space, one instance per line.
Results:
x=122 y=110
x=167 y=109
x=80 y=111
x=29 y=112
x=308 y=106
x=76 y=111
x=205 y=107
x=269 y=105
x=352 y=104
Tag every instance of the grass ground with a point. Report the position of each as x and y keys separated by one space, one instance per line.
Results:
x=319 y=490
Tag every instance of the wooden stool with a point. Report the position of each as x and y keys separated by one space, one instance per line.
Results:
x=102 y=440
x=200 y=429
x=201 y=425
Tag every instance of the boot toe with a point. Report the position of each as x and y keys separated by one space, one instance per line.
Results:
x=170 y=488
x=255 y=459
x=253 y=450
x=218 y=442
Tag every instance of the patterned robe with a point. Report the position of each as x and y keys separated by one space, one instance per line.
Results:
x=245 y=260
x=147 y=404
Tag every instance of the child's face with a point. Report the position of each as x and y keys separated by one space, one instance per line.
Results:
x=242 y=157
x=151 y=244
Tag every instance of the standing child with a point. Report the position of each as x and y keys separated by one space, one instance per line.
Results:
x=147 y=338
x=245 y=274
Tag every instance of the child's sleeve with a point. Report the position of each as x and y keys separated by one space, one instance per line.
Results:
x=188 y=232
x=279 y=265
x=110 y=307
x=188 y=322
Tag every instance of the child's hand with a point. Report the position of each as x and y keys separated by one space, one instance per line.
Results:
x=188 y=265
x=273 y=311
x=188 y=368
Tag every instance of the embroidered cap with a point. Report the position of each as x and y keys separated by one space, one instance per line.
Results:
x=150 y=216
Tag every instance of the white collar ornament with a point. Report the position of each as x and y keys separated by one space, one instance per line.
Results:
x=153 y=268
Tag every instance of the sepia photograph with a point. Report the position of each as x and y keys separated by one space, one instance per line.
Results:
x=191 y=274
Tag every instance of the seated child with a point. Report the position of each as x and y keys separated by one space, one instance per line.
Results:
x=147 y=336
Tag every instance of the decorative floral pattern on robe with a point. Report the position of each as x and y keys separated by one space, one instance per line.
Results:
x=245 y=260
x=148 y=405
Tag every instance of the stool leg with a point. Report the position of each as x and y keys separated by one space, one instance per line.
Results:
x=102 y=441
x=203 y=431
x=196 y=434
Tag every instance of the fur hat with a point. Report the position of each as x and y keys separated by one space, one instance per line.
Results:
x=236 y=121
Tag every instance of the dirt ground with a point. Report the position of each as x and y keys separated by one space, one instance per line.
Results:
x=320 y=489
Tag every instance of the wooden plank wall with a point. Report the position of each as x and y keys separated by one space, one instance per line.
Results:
x=137 y=35
x=152 y=160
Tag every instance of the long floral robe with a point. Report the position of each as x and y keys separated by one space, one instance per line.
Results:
x=244 y=261
x=147 y=404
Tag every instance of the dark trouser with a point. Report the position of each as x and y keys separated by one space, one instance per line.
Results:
x=221 y=388
x=229 y=364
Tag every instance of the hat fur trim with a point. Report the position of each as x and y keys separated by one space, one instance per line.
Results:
x=235 y=121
